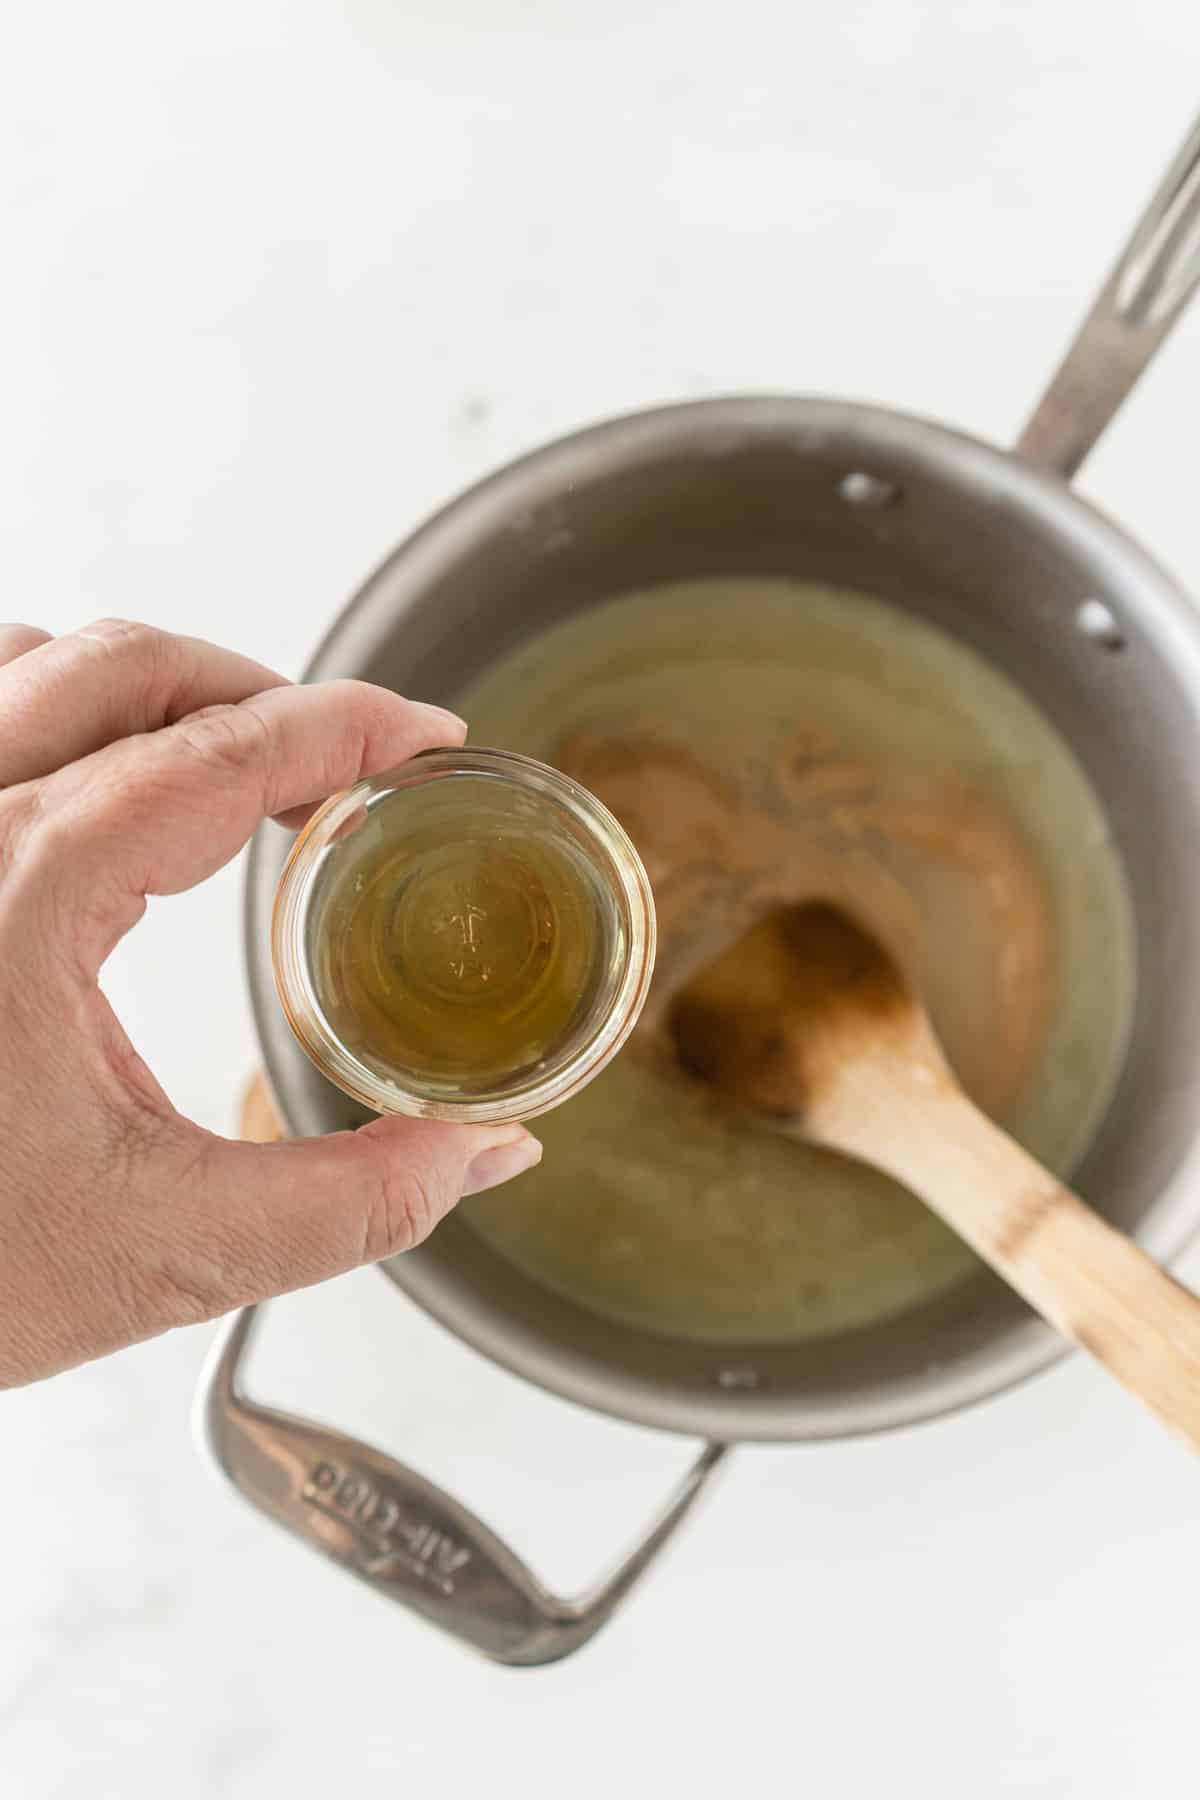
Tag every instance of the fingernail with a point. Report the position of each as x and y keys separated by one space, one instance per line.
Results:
x=501 y=1163
x=444 y=719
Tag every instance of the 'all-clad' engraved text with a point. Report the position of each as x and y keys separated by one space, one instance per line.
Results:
x=390 y=1541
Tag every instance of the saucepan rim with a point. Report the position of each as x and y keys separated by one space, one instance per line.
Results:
x=720 y=426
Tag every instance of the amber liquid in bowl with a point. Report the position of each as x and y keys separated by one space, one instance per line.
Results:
x=457 y=944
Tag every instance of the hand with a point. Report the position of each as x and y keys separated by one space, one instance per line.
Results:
x=136 y=763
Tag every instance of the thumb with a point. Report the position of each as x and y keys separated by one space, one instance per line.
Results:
x=248 y=1221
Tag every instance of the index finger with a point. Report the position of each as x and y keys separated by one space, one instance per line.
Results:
x=156 y=814
x=67 y=697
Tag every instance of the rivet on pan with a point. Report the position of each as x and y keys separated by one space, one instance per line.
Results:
x=738 y=1375
x=1098 y=623
x=861 y=489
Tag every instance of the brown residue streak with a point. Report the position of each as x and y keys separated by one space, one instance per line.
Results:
x=678 y=813
x=924 y=860
x=1026 y=1216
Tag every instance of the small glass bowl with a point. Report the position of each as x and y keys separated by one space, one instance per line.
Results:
x=484 y=803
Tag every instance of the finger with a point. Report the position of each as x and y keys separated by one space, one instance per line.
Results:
x=236 y=1222
x=69 y=696
x=157 y=814
x=15 y=640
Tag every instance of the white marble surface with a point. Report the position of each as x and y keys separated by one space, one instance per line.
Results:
x=280 y=277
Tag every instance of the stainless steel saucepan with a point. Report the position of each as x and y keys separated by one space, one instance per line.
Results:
x=991 y=546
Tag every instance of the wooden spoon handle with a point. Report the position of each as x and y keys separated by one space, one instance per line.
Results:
x=1087 y=1279
x=257 y=1119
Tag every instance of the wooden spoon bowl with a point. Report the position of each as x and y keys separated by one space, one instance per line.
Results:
x=808 y=1022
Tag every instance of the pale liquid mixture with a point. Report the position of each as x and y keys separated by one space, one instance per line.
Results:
x=767 y=740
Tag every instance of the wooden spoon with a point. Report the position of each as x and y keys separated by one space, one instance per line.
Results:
x=807 y=1021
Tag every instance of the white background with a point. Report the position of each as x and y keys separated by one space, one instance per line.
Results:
x=278 y=279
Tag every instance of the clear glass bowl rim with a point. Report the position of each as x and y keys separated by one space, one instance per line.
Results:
x=538 y=1094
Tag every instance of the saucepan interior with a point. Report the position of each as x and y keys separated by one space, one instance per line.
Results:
x=1003 y=557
